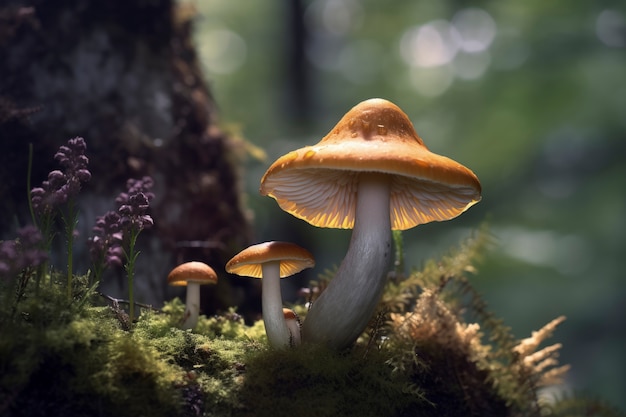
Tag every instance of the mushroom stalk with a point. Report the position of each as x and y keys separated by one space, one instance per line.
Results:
x=192 y=308
x=276 y=328
x=343 y=310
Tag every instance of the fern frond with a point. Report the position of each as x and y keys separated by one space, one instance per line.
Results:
x=402 y=291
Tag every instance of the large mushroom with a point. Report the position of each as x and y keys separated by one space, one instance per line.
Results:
x=272 y=261
x=372 y=173
x=192 y=275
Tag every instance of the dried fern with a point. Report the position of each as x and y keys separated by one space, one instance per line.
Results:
x=444 y=322
x=402 y=291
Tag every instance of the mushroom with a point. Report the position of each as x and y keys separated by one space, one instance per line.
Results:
x=371 y=173
x=272 y=261
x=293 y=324
x=192 y=274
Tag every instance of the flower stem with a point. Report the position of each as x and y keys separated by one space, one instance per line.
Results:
x=70 y=221
x=29 y=197
x=131 y=256
x=28 y=182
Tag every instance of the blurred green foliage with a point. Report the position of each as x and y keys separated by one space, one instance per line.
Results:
x=530 y=95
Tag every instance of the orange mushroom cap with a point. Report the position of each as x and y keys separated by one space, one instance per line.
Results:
x=290 y=314
x=292 y=258
x=318 y=183
x=193 y=271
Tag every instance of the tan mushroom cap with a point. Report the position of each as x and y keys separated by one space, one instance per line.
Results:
x=318 y=183
x=249 y=261
x=290 y=314
x=193 y=271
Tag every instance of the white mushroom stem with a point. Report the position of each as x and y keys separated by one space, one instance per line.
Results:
x=192 y=308
x=343 y=310
x=276 y=328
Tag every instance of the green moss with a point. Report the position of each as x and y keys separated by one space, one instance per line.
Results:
x=313 y=381
x=420 y=356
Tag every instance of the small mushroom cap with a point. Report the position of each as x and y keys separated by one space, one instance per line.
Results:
x=192 y=272
x=249 y=261
x=318 y=183
x=290 y=314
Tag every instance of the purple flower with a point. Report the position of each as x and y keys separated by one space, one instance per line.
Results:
x=63 y=185
x=106 y=242
x=114 y=256
x=23 y=252
x=134 y=203
x=110 y=230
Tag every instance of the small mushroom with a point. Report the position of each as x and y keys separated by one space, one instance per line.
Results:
x=272 y=261
x=372 y=173
x=293 y=324
x=192 y=274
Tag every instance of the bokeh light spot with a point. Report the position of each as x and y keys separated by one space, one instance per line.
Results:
x=476 y=29
x=430 y=45
x=222 y=51
x=611 y=28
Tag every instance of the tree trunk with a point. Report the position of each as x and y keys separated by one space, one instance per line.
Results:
x=125 y=76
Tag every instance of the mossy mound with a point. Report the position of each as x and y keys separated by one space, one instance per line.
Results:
x=314 y=381
x=87 y=364
x=82 y=356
